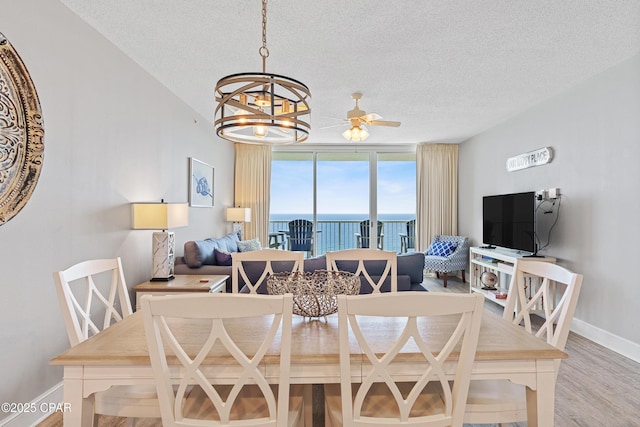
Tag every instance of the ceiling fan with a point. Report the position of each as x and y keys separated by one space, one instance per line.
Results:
x=358 y=120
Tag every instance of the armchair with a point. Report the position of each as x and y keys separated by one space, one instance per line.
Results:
x=447 y=254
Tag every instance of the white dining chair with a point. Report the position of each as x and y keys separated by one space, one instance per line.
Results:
x=366 y=259
x=381 y=399
x=239 y=395
x=254 y=267
x=97 y=289
x=537 y=287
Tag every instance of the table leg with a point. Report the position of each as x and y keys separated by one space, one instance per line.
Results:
x=541 y=402
x=81 y=409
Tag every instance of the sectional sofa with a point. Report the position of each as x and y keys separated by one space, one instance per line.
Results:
x=211 y=256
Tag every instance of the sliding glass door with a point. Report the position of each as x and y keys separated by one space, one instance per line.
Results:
x=338 y=191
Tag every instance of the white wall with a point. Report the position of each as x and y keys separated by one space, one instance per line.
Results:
x=594 y=130
x=113 y=135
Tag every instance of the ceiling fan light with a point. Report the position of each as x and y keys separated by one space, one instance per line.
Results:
x=347 y=134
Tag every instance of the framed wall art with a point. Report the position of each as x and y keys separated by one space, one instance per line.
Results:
x=200 y=184
x=21 y=133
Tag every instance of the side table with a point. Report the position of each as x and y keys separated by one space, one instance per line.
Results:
x=181 y=283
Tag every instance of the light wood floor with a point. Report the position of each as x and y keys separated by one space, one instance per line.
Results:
x=596 y=387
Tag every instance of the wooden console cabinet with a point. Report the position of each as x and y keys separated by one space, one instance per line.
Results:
x=499 y=261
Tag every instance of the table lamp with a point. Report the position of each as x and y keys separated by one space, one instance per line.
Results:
x=238 y=216
x=161 y=216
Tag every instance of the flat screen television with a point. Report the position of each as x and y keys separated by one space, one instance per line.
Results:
x=508 y=221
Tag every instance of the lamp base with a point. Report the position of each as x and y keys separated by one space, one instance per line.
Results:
x=162 y=279
x=163 y=256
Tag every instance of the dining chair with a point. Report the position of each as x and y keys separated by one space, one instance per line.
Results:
x=537 y=287
x=97 y=289
x=380 y=399
x=363 y=239
x=239 y=394
x=251 y=269
x=378 y=270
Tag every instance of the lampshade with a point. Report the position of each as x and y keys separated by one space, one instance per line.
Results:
x=159 y=216
x=239 y=214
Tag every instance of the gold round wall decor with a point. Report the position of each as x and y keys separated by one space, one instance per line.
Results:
x=21 y=133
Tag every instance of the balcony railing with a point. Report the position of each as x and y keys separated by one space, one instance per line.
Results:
x=337 y=235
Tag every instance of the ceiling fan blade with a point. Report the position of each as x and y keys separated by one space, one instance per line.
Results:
x=384 y=123
x=334 y=126
x=371 y=117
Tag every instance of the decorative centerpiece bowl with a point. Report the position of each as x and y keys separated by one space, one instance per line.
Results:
x=314 y=293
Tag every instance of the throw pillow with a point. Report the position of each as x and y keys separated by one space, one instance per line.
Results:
x=441 y=248
x=222 y=257
x=249 y=245
x=199 y=252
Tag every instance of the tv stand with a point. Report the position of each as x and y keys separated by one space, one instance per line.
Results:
x=499 y=261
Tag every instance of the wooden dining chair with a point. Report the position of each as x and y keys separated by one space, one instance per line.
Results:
x=537 y=287
x=97 y=289
x=373 y=266
x=239 y=394
x=251 y=269
x=387 y=397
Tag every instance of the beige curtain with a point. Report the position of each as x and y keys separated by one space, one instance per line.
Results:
x=437 y=188
x=252 y=183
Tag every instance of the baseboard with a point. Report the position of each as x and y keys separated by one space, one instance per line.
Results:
x=38 y=409
x=606 y=339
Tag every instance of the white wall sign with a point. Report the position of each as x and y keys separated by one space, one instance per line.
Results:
x=538 y=157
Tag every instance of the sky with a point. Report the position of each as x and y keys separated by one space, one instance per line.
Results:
x=343 y=187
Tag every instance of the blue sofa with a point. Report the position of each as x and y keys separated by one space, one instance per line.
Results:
x=199 y=258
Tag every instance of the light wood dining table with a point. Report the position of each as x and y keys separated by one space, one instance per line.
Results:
x=119 y=356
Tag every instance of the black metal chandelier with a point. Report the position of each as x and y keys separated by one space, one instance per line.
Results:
x=262 y=108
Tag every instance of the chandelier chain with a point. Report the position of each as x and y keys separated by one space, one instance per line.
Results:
x=264 y=51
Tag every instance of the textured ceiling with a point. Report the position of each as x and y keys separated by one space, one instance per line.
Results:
x=447 y=69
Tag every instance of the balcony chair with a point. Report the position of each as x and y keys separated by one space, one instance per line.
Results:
x=78 y=288
x=363 y=238
x=250 y=270
x=408 y=240
x=379 y=399
x=240 y=394
x=356 y=260
x=501 y=401
x=447 y=254
x=300 y=236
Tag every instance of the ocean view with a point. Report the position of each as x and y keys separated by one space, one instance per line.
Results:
x=339 y=231
x=342 y=217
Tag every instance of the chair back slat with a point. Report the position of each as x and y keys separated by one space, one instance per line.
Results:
x=243 y=262
x=77 y=291
x=405 y=312
x=539 y=287
x=164 y=319
x=361 y=256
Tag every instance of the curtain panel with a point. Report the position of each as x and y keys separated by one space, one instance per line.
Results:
x=252 y=184
x=437 y=192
